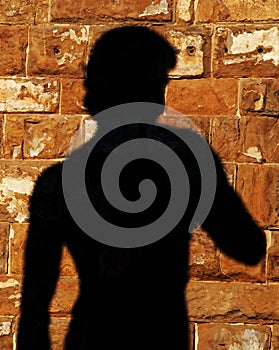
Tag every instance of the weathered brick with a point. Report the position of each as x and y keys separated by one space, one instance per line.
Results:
x=236 y=271
x=203 y=257
x=259 y=139
x=1 y=136
x=184 y=10
x=246 y=52
x=273 y=257
x=92 y=11
x=62 y=302
x=57 y=49
x=193 y=51
x=58 y=329
x=17 y=11
x=4 y=247
x=236 y=10
x=203 y=97
x=13 y=44
x=42 y=12
x=17 y=180
x=260 y=96
x=72 y=97
x=225 y=137
x=7 y=326
x=9 y=295
x=275 y=337
x=257 y=185
x=18 y=239
x=232 y=302
x=224 y=336
x=29 y=95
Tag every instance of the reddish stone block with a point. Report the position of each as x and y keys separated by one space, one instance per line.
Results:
x=273 y=257
x=58 y=329
x=218 y=336
x=17 y=11
x=100 y=10
x=9 y=296
x=72 y=97
x=4 y=247
x=57 y=50
x=260 y=97
x=257 y=186
x=13 y=44
x=225 y=137
x=203 y=97
x=29 y=95
x=67 y=264
x=18 y=239
x=232 y=302
x=259 y=139
x=203 y=257
x=236 y=11
x=246 y=52
x=7 y=328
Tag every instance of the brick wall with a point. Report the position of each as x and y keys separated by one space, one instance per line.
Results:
x=225 y=81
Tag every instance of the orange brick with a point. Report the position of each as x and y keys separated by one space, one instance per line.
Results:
x=9 y=295
x=18 y=239
x=17 y=11
x=7 y=328
x=72 y=98
x=273 y=257
x=58 y=329
x=203 y=97
x=100 y=10
x=257 y=185
x=13 y=44
x=4 y=247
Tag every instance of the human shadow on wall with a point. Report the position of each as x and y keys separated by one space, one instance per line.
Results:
x=130 y=298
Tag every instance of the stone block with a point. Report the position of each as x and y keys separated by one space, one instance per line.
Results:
x=39 y=137
x=13 y=44
x=257 y=185
x=10 y=295
x=29 y=95
x=203 y=257
x=7 y=328
x=58 y=329
x=100 y=10
x=17 y=11
x=72 y=96
x=208 y=11
x=57 y=50
x=260 y=97
x=225 y=336
x=232 y=302
x=18 y=239
x=246 y=51
x=209 y=97
x=273 y=257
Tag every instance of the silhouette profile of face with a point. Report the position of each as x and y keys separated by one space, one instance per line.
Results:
x=127 y=64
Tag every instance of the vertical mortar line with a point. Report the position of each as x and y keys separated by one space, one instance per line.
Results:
x=196 y=338
x=174 y=8
x=212 y=49
x=238 y=113
x=27 y=52
x=60 y=96
x=195 y=11
x=49 y=11
x=9 y=250
x=268 y=243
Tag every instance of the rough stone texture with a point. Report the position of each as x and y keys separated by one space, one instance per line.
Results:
x=193 y=52
x=184 y=10
x=58 y=329
x=203 y=97
x=236 y=271
x=260 y=97
x=275 y=337
x=91 y=11
x=225 y=137
x=13 y=44
x=258 y=187
x=18 y=238
x=29 y=95
x=17 y=180
x=246 y=52
x=67 y=265
x=72 y=97
x=39 y=137
x=62 y=302
x=17 y=11
x=260 y=146
x=232 y=302
x=236 y=10
x=6 y=333
x=9 y=296
x=57 y=50
x=203 y=257
x=233 y=337
x=273 y=257
x=4 y=247
x=1 y=136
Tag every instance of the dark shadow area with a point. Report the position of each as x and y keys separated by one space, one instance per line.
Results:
x=130 y=298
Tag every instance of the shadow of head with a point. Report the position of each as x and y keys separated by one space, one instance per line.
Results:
x=127 y=64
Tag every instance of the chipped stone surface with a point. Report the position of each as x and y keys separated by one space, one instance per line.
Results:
x=89 y=11
x=57 y=50
x=13 y=44
x=247 y=52
x=236 y=11
x=37 y=136
x=184 y=10
x=17 y=247
x=234 y=337
x=8 y=288
x=17 y=11
x=7 y=328
x=190 y=55
x=24 y=95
